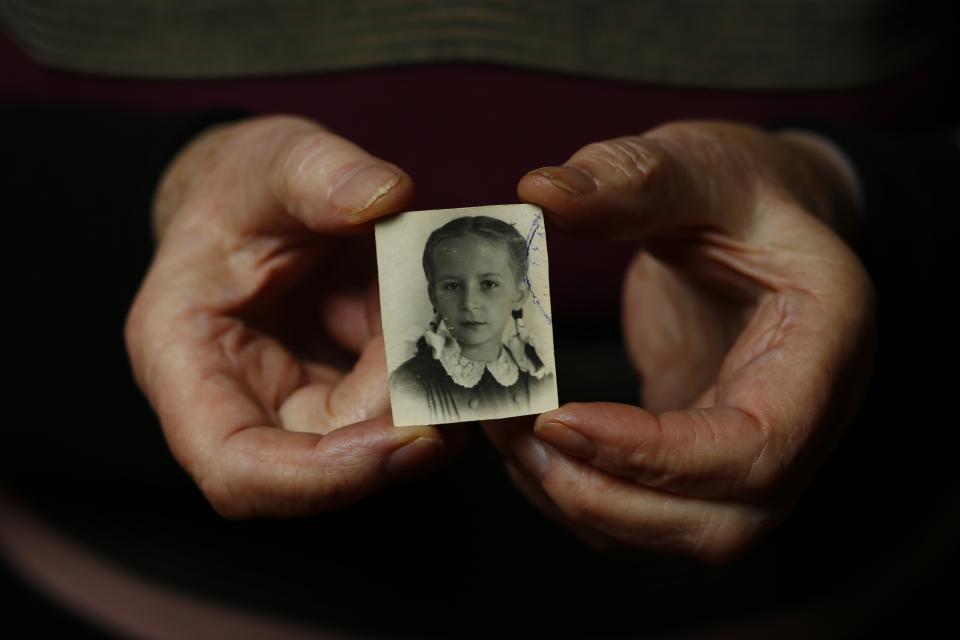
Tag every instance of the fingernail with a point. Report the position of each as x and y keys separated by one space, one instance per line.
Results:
x=358 y=191
x=570 y=179
x=566 y=439
x=532 y=455
x=410 y=457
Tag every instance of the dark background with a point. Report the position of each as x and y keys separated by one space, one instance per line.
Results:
x=869 y=550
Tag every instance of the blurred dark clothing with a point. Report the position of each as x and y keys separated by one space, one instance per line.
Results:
x=733 y=44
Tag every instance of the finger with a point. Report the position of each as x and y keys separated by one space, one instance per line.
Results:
x=501 y=434
x=327 y=405
x=226 y=437
x=774 y=407
x=639 y=516
x=275 y=176
x=264 y=471
x=331 y=185
x=716 y=452
x=344 y=315
x=530 y=487
x=679 y=332
x=352 y=316
x=671 y=179
x=262 y=208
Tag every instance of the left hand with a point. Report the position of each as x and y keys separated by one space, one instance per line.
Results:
x=748 y=317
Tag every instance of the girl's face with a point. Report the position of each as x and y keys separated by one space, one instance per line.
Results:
x=475 y=289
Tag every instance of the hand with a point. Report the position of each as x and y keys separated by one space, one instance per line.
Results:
x=255 y=335
x=748 y=317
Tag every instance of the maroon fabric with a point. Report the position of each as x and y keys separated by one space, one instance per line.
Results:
x=467 y=133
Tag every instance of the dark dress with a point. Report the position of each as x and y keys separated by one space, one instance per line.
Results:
x=424 y=377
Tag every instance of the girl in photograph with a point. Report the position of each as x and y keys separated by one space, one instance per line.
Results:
x=474 y=361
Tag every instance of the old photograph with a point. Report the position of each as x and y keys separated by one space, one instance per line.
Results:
x=465 y=302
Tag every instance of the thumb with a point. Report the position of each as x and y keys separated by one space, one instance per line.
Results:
x=331 y=185
x=680 y=176
x=275 y=176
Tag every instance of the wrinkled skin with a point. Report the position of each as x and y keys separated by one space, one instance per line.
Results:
x=256 y=337
x=748 y=317
x=256 y=333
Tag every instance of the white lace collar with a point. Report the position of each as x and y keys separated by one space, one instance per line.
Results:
x=467 y=373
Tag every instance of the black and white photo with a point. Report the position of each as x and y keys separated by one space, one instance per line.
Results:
x=466 y=314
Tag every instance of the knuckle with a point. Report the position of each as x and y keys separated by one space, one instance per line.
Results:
x=763 y=461
x=642 y=464
x=141 y=339
x=764 y=475
x=305 y=158
x=314 y=166
x=649 y=459
x=132 y=330
x=630 y=159
x=283 y=121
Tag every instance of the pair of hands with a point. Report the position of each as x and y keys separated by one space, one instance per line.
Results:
x=256 y=333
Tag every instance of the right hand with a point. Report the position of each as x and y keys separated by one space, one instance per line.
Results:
x=256 y=333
